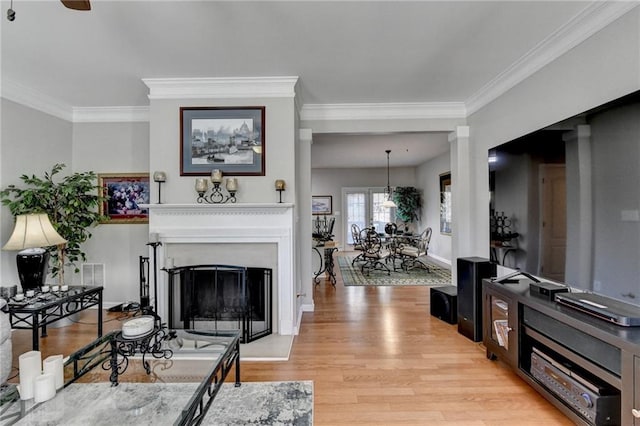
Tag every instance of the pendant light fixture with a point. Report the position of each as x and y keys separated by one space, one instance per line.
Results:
x=388 y=203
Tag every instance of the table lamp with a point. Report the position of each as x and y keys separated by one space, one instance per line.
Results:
x=32 y=232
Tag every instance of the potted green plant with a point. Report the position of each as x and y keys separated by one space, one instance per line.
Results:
x=408 y=204
x=72 y=205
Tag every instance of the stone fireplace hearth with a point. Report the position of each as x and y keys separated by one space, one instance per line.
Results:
x=245 y=228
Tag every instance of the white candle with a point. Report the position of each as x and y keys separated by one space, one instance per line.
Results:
x=232 y=184
x=30 y=293
x=64 y=287
x=30 y=364
x=55 y=287
x=201 y=185
x=45 y=288
x=216 y=176
x=53 y=365
x=44 y=388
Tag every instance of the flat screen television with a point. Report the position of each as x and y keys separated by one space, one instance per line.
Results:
x=565 y=201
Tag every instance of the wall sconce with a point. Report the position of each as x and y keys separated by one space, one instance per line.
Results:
x=280 y=186
x=159 y=177
x=216 y=196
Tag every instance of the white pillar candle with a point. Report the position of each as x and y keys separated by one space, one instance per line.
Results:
x=44 y=388
x=53 y=365
x=216 y=176
x=201 y=185
x=232 y=184
x=30 y=364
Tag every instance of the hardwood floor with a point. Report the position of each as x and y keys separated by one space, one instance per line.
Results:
x=376 y=356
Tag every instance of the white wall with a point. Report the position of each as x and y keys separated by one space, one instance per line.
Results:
x=32 y=142
x=428 y=180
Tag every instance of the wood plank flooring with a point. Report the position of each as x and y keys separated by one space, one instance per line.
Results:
x=376 y=357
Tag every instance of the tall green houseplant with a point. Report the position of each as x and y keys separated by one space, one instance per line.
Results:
x=72 y=205
x=408 y=203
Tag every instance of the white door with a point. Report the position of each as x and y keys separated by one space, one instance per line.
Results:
x=553 y=231
x=364 y=208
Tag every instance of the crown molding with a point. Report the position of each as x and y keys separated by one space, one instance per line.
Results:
x=110 y=114
x=383 y=111
x=31 y=98
x=223 y=87
x=589 y=21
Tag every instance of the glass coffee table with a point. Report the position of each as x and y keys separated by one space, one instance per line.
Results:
x=175 y=385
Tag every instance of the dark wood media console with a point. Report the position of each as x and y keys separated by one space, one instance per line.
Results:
x=604 y=357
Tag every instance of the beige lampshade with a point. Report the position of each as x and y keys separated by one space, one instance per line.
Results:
x=388 y=204
x=33 y=230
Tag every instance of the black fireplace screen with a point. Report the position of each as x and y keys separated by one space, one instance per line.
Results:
x=221 y=297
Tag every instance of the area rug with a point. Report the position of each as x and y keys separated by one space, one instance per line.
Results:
x=263 y=403
x=351 y=275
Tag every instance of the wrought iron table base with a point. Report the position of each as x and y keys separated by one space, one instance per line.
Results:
x=122 y=348
x=327 y=265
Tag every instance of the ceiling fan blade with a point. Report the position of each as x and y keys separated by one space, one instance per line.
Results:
x=77 y=4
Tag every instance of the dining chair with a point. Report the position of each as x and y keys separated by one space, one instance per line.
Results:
x=357 y=243
x=374 y=252
x=411 y=253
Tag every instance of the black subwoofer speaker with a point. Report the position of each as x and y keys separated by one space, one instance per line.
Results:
x=444 y=303
x=471 y=271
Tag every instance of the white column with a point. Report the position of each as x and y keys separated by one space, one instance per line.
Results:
x=579 y=261
x=305 y=286
x=461 y=197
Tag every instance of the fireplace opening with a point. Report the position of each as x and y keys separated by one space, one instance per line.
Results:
x=221 y=297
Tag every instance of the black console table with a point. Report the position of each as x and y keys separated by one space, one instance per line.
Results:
x=327 y=262
x=602 y=360
x=36 y=312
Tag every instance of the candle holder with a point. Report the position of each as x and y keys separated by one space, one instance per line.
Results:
x=280 y=186
x=216 y=194
x=159 y=177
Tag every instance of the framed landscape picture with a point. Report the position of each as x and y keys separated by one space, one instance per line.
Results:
x=125 y=192
x=321 y=204
x=230 y=139
x=445 y=203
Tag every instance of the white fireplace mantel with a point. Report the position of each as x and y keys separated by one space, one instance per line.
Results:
x=246 y=223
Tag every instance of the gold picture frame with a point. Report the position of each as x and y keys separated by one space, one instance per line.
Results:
x=125 y=192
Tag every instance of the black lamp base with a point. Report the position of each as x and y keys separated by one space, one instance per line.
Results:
x=33 y=265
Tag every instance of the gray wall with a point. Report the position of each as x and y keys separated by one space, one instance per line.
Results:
x=428 y=180
x=115 y=148
x=32 y=142
x=615 y=138
x=602 y=68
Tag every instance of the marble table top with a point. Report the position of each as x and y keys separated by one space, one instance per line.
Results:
x=101 y=404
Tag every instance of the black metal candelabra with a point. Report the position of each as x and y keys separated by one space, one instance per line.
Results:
x=155 y=281
x=216 y=196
